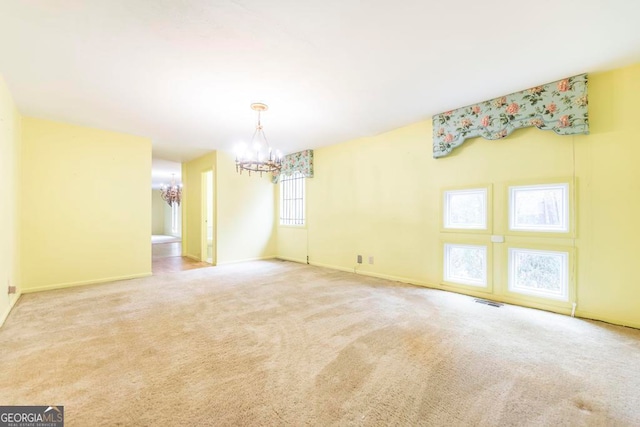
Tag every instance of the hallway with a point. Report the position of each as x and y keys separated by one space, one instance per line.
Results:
x=166 y=258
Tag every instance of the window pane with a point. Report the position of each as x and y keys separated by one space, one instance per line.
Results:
x=174 y=218
x=539 y=273
x=292 y=199
x=465 y=264
x=539 y=208
x=465 y=209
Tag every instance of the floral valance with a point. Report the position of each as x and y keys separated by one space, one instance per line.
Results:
x=559 y=106
x=301 y=161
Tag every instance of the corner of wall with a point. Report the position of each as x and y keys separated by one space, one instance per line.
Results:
x=10 y=167
x=13 y=299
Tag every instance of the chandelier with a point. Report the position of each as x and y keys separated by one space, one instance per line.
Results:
x=171 y=193
x=258 y=156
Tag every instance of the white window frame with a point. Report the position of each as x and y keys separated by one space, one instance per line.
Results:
x=447 y=275
x=175 y=218
x=449 y=224
x=513 y=287
x=563 y=228
x=292 y=200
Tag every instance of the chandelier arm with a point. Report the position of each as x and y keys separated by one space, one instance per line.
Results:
x=255 y=132
x=271 y=164
x=265 y=138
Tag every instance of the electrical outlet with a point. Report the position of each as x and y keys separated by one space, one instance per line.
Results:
x=371 y=260
x=359 y=259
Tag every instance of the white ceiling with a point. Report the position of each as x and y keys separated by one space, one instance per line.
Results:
x=163 y=172
x=184 y=72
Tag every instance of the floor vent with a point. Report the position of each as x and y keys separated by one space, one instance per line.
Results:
x=487 y=302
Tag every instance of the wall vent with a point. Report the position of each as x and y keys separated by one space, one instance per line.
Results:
x=488 y=302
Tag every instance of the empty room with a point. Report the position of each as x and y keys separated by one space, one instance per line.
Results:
x=247 y=213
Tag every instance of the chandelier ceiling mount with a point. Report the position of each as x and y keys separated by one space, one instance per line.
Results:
x=258 y=156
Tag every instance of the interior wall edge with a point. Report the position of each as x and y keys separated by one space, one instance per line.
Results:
x=7 y=312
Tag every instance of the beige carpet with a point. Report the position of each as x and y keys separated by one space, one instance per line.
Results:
x=278 y=343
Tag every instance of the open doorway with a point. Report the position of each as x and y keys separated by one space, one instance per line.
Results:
x=207 y=217
x=166 y=224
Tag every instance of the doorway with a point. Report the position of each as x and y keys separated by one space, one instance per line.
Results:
x=207 y=218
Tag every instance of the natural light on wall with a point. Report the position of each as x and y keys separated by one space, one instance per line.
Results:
x=292 y=199
x=542 y=208
x=539 y=273
x=465 y=209
x=465 y=264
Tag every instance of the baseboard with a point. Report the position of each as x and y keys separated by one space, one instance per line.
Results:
x=193 y=257
x=333 y=267
x=298 y=260
x=494 y=297
x=236 y=261
x=83 y=283
x=593 y=316
x=12 y=303
x=402 y=279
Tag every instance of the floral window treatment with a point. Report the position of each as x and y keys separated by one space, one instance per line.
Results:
x=559 y=106
x=301 y=161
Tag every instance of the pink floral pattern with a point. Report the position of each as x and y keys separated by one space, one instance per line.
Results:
x=301 y=161
x=560 y=106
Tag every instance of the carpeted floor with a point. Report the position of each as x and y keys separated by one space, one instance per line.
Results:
x=279 y=343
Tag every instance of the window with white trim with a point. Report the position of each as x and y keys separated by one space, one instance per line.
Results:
x=292 y=199
x=175 y=219
x=465 y=264
x=539 y=208
x=539 y=273
x=465 y=209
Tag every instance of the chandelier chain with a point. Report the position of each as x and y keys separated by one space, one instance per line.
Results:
x=254 y=158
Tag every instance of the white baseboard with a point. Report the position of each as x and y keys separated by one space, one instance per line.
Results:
x=589 y=315
x=236 y=261
x=83 y=283
x=298 y=260
x=372 y=274
x=500 y=298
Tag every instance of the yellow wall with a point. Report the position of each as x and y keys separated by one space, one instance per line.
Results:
x=245 y=213
x=373 y=197
x=380 y=196
x=85 y=205
x=9 y=176
x=157 y=213
x=292 y=242
x=609 y=199
x=192 y=205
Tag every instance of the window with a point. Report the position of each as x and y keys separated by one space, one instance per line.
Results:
x=292 y=189
x=539 y=273
x=175 y=219
x=465 y=209
x=541 y=208
x=465 y=264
